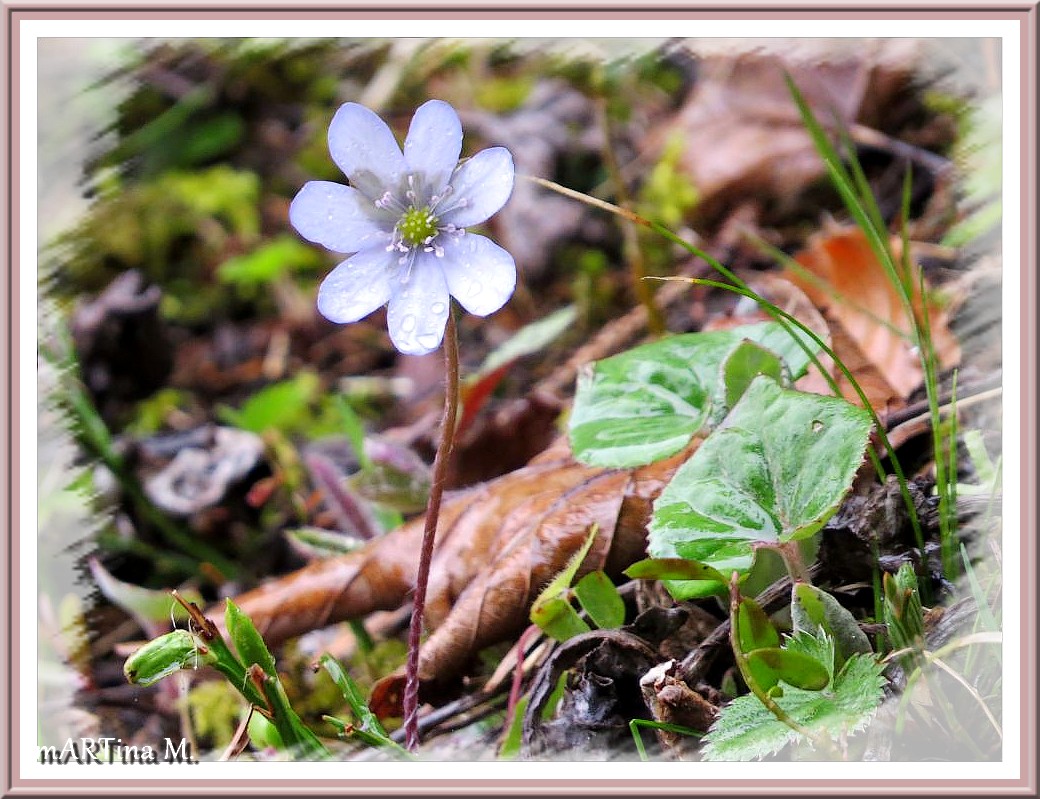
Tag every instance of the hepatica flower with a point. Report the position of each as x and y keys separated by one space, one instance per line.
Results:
x=404 y=218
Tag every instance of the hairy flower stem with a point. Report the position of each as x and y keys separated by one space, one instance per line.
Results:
x=433 y=510
x=792 y=556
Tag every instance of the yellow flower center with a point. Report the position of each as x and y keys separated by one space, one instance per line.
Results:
x=417 y=226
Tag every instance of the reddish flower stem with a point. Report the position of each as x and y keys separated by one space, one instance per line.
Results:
x=518 y=672
x=433 y=510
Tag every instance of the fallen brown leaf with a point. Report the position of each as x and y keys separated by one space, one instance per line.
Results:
x=741 y=131
x=498 y=544
x=846 y=280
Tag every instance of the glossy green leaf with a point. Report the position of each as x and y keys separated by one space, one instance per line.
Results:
x=647 y=403
x=814 y=610
x=599 y=597
x=247 y=640
x=775 y=472
x=770 y=666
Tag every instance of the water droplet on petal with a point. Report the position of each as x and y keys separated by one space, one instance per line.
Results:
x=437 y=308
x=474 y=288
x=428 y=340
x=408 y=324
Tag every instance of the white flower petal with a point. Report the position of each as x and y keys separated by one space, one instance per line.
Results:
x=480 y=274
x=483 y=184
x=336 y=217
x=365 y=149
x=433 y=144
x=358 y=286
x=419 y=308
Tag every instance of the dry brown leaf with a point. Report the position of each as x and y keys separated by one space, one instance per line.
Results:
x=852 y=288
x=741 y=131
x=499 y=543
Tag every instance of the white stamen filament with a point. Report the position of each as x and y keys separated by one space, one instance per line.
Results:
x=462 y=202
x=389 y=202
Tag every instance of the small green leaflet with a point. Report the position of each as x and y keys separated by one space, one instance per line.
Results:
x=599 y=597
x=248 y=643
x=647 y=403
x=775 y=471
x=552 y=611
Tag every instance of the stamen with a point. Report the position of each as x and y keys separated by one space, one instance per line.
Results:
x=462 y=202
x=389 y=202
x=438 y=198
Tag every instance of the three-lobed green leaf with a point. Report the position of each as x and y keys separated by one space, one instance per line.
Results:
x=774 y=472
x=648 y=403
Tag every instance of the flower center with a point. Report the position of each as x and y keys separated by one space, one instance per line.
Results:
x=417 y=226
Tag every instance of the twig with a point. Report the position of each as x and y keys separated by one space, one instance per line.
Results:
x=240 y=740
x=451 y=710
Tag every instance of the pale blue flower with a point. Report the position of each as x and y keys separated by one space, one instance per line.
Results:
x=404 y=217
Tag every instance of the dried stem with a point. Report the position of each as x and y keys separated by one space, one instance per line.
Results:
x=433 y=509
